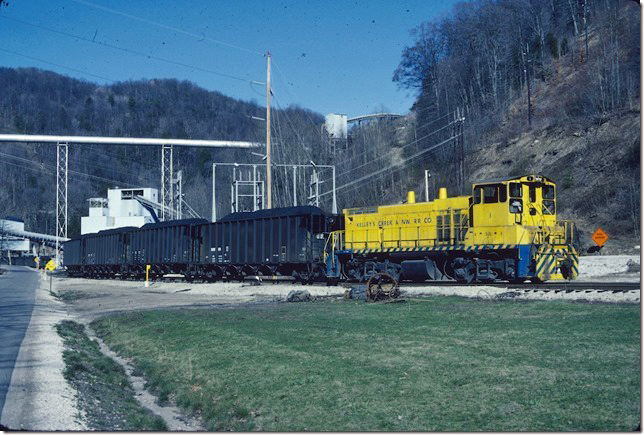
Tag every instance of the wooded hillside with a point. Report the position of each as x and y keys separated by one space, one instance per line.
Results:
x=578 y=59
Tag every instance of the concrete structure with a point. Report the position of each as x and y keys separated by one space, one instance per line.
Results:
x=119 y=209
x=10 y=242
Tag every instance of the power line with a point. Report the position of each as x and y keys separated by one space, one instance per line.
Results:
x=56 y=64
x=286 y=87
x=200 y=37
x=42 y=166
x=126 y=50
x=380 y=171
x=288 y=121
x=391 y=152
x=414 y=142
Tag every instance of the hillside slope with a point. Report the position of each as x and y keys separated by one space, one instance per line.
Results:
x=597 y=168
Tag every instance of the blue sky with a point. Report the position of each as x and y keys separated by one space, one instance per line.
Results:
x=327 y=56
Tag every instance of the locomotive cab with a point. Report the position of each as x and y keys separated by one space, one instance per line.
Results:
x=520 y=213
x=510 y=211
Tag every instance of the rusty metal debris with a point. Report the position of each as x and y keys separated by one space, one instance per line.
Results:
x=382 y=286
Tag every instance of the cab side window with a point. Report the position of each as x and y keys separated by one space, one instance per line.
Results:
x=490 y=194
x=516 y=198
x=516 y=190
x=495 y=193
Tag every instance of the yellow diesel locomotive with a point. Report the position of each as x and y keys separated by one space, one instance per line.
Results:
x=506 y=230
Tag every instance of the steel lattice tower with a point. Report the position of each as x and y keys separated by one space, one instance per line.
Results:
x=61 y=196
x=167 y=190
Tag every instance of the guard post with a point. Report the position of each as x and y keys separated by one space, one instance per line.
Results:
x=147 y=275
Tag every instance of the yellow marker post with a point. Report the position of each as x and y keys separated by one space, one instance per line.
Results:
x=147 y=275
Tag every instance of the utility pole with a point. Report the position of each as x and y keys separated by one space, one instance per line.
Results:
x=268 y=130
x=586 y=27
x=214 y=202
x=294 y=186
x=179 y=193
x=461 y=148
x=526 y=59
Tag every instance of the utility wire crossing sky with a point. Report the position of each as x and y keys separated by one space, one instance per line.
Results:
x=327 y=56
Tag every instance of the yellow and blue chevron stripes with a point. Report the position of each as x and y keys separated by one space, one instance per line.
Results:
x=547 y=264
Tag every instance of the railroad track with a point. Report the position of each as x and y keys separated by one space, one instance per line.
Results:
x=566 y=286
x=556 y=287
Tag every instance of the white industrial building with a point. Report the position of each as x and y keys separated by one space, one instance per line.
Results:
x=119 y=209
x=336 y=126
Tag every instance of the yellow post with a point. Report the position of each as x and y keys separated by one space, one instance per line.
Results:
x=147 y=275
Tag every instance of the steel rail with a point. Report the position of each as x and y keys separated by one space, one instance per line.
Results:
x=567 y=286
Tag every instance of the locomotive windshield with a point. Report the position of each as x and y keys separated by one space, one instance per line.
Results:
x=548 y=193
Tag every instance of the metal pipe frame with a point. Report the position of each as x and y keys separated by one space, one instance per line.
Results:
x=97 y=140
x=62 y=163
x=334 y=203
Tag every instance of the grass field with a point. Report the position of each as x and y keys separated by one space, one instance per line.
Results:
x=440 y=364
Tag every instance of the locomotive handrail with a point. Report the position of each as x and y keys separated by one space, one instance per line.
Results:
x=335 y=237
x=568 y=229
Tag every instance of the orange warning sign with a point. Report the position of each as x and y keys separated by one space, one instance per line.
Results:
x=600 y=237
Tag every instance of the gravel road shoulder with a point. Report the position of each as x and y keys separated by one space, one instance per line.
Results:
x=39 y=398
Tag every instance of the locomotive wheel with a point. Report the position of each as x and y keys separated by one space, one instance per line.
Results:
x=447 y=270
x=382 y=286
x=464 y=271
